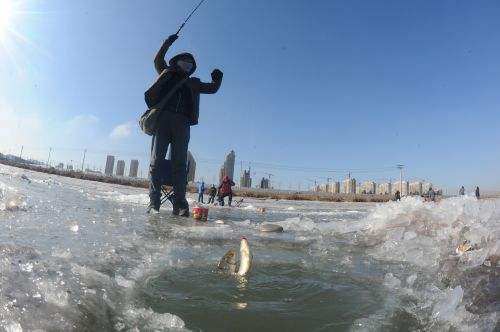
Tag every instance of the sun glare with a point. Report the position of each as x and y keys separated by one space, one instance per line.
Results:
x=6 y=13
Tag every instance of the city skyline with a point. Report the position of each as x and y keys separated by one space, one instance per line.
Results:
x=230 y=161
x=347 y=186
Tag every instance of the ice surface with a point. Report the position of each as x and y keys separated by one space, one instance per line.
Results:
x=148 y=320
x=391 y=281
x=78 y=252
x=13 y=327
x=446 y=307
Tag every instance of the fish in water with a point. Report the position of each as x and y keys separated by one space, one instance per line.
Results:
x=464 y=247
x=245 y=258
x=229 y=264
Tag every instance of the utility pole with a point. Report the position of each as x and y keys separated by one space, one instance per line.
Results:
x=21 y=154
x=400 y=167
x=48 y=158
x=83 y=160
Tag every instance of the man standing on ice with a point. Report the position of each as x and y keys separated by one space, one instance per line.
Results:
x=177 y=115
x=461 y=192
x=201 y=191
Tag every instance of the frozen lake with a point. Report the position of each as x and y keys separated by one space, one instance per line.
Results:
x=80 y=255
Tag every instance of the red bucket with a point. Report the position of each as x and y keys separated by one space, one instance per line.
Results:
x=200 y=213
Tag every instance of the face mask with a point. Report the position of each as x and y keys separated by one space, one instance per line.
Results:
x=185 y=66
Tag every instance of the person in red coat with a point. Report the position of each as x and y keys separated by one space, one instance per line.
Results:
x=226 y=190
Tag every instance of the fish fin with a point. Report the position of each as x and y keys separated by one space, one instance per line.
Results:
x=226 y=259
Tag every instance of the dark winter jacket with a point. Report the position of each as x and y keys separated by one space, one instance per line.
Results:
x=191 y=89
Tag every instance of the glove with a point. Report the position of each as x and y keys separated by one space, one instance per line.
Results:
x=172 y=38
x=217 y=75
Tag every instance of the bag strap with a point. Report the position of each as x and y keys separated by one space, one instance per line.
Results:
x=164 y=100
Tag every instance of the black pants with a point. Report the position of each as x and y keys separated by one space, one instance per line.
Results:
x=173 y=130
x=211 y=199
x=230 y=199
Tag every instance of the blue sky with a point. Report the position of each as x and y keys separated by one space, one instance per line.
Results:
x=326 y=85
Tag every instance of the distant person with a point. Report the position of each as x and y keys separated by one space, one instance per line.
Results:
x=226 y=190
x=178 y=112
x=461 y=192
x=201 y=191
x=397 y=196
x=431 y=195
x=477 y=193
x=212 y=193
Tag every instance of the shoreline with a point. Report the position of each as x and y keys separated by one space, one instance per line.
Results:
x=242 y=192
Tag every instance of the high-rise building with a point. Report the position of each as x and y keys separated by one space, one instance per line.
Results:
x=221 y=174
x=120 y=168
x=416 y=188
x=384 y=188
x=264 y=183
x=349 y=186
x=403 y=191
x=134 y=168
x=228 y=167
x=69 y=167
x=369 y=187
x=60 y=166
x=246 y=180
x=191 y=167
x=110 y=165
x=329 y=187
x=360 y=190
x=336 y=187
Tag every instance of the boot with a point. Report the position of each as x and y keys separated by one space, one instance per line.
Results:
x=180 y=207
x=180 y=211
x=154 y=206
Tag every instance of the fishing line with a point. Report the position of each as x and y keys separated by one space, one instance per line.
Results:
x=189 y=16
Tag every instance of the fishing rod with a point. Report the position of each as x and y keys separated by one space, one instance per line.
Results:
x=187 y=19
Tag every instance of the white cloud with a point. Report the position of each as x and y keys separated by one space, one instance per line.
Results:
x=121 y=131
x=83 y=120
x=81 y=127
